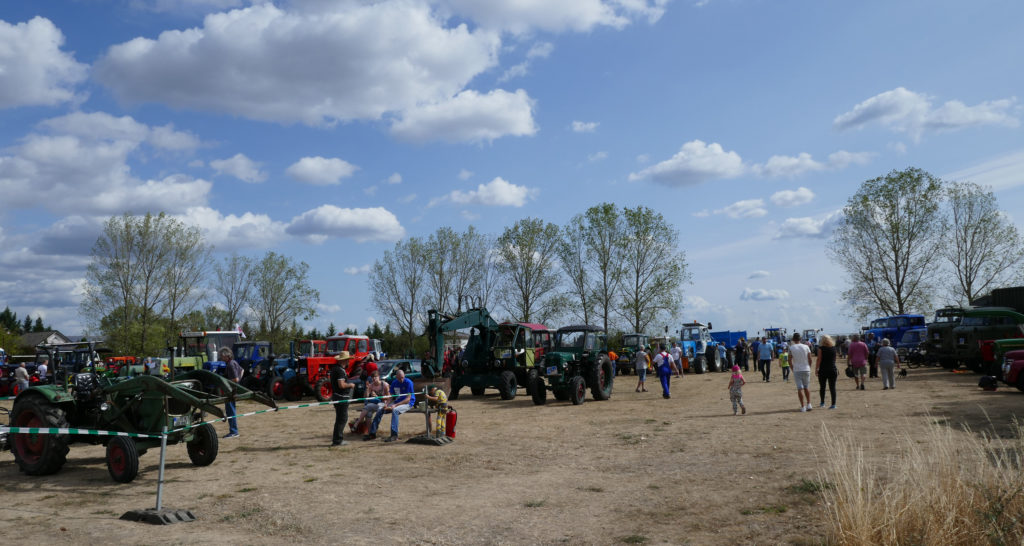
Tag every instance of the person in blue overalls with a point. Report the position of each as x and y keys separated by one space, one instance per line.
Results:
x=665 y=369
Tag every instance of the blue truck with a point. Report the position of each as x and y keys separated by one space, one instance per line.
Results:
x=893 y=328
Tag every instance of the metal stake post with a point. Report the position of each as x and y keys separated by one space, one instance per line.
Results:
x=160 y=477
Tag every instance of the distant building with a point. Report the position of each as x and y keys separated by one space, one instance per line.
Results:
x=33 y=340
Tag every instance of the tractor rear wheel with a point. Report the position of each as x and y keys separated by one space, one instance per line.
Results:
x=700 y=364
x=477 y=390
x=711 y=356
x=250 y=382
x=602 y=376
x=323 y=389
x=538 y=390
x=508 y=385
x=38 y=454
x=276 y=388
x=202 y=450
x=292 y=390
x=122 y=459
x=577 y=390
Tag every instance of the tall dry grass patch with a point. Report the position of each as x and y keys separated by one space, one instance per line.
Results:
x=949 y=488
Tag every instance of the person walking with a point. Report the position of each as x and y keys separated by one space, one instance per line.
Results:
x=736 y=383
x=873 y=347
x=740 y=357
x=677 y=356
x=800 y=359
x=233 y=372
x=858 y=359
x=784 y=364
x=665 y=370
x=888 y=361
x=754 y=351
x=825 y=368
x=640 y=364
x=764 y=360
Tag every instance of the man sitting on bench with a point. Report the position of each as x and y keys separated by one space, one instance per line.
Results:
x=402 y=401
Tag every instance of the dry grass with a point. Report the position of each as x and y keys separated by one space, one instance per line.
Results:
x=952 y=488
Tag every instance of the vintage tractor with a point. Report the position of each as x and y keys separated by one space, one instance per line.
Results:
x=631 y=344
x=362 y=348
x=699 y=350
x=143 y=405
x=482 y=365
x=578 y=360
x=199 y=350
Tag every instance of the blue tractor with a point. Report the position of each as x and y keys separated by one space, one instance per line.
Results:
x=700 y=350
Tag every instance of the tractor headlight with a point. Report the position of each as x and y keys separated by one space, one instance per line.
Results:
x=104 y=406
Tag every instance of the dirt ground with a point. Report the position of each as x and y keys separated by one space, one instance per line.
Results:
x=634 y=469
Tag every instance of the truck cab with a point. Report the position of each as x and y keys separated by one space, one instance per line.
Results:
x=940 y=345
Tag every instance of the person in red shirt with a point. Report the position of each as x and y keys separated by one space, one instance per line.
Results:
x=858 y=358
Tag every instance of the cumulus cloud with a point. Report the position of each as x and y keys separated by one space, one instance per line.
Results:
x=469 y=117
x=802 y=163
x=465 y=174
x=521 y=17
x=328 y=307
x=98 y=126
x=497 y=192
x=747 y=208
x=363 y=269
x=843 y=159
x=322 y=171
x=792 y=198
x=360 y=60
x=759 y=274
x=33 y=69
x=826 y=288
x=695 y=162
x=232 y=232
x=584 y=126
x=329 y=221
x=809 y=226
x=904 y=111
x=597 y=156
x=538 y=50
x=696 y=304
x=763 y=294
x=395 y=178
x=240 y=167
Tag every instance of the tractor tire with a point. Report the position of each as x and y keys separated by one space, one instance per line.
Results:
x=508 y=385
x=202 y=450
x=38 y=454
x=539 y=391
x=477 y=391
x=602 y=377
x=250 y=382
x=323 y=390
x=714 y=359
x=622 y=367
x=560 y=394
x=276 y=388
x=122 y=459
x=700 y=364
x=577 y=390
x=292 y=390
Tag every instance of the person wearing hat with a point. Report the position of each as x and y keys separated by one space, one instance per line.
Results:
x=341 y=392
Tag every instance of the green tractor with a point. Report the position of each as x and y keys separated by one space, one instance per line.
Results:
x=631 y=344
x=577 y=361
x=145 y=405
x=484 y=364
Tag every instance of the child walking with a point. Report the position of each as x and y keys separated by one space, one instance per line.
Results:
x=784 y=364
x=736 y=383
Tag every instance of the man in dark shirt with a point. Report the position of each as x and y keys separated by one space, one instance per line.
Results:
x=341 y=392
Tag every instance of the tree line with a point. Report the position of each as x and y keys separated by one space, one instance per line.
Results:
x=909 y=241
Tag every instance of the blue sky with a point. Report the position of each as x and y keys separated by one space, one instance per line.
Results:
x=327 y=130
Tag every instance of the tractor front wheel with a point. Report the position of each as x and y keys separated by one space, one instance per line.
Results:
x=38 y=454
x=202 y=450
x=292 y=390
x=577 y=390
x=122 y=459
x=538 y=390
x=508 y=385
x=323 y=390
x=700 y=364
x=276 y=388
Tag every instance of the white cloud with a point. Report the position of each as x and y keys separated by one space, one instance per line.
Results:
x=229 y=232
x=597 y=156
x=843 y=159
x=326 y=221
x=703 y=213
x=695 y=162
x=469 y=117
x=584 y=126
x=370 y=190
x=321 y=171
x=696 y=304
x=897 y=147
x=240 y=167
x=809 y=226
x=747 y=208
x=497 y=192
x=1001 y=173
x=826 y=288
x=759 y=274
x=763 y=294
x=103 y=126
x=395 y=178
x=365 y=268
x=408 y=198
x=469 y=215
x=538 y=50
x=905 y=111
x=522 y=17
x=33 y=69
x=187 y=6
x=465 y=174
x=792 y=198
x=784 y=165
x=328 y=308
x=360 y=60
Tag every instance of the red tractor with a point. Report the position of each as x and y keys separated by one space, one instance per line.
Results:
x=312 y=371
x=360 y=347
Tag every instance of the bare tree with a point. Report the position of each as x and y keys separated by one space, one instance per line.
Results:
x=888 y=241
x=185 y=275
x=469 y=270
x=984 y=247
x=605 y=242
x=652 y=286
x=527 y=254
x=398 y=284
x=281 y=295
x=572 y=252
x=233 y=281
x=441 y=258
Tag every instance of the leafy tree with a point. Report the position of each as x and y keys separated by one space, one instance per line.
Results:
x=439 y=260
x=233 y=281
x=9 y=321
x=185 y=273
x=572 y=251
x=889 y=241
x=37 y=326
x=984 y=248
x=27 y=325
x=605 y=241
x=527 y=254
x=652 y=285
x=281 y=294
x=398 y=283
